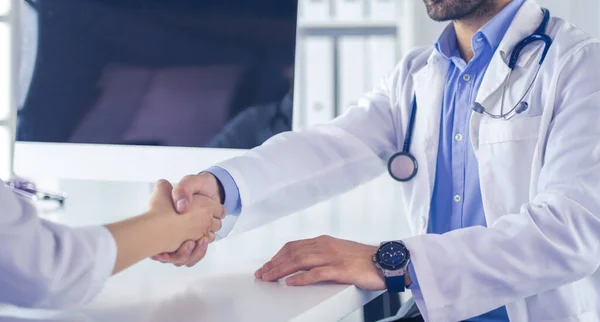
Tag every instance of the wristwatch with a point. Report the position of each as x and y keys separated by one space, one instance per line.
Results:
x=392 y=258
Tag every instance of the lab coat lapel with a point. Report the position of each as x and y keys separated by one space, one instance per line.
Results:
x=429 y=89
x=526 y=21
x=524 y=24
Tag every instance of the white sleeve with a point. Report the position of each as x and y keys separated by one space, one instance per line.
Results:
x=295 y=170
x=46 y=265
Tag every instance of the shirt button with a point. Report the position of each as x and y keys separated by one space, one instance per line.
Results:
x=466 y=77
x=457 y=198
x=458 y=137
x=480 y=39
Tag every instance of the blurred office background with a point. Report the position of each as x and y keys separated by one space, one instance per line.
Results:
x=162 y=73
x=149 y=73
x=346 y=46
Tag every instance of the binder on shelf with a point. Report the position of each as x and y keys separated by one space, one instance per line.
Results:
x=352 y=72
x=314 y=11
x=317 y=79
x=383 y=10
x=349 y=10
x=382 y=55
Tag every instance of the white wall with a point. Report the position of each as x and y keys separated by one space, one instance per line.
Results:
x=582 y=13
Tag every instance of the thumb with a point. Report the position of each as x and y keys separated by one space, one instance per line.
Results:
x=184 y=191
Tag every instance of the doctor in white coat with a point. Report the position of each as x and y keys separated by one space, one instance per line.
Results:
x=528 y=247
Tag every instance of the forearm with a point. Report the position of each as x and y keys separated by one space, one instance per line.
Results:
x=295 y=170
x=272 y=178
x=140 y=237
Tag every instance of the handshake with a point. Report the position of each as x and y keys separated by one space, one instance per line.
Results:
x=194 y=207
x=182 y=221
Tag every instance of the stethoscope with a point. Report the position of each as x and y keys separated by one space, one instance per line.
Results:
x=403 y=166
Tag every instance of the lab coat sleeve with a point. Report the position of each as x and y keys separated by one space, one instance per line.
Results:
x=553 y=240
x=46 y=265
x=295 y=170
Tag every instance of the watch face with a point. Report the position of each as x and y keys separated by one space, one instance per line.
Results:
x=392 y=256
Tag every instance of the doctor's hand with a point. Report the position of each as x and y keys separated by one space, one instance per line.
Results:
x=192 y=251
x=324 y=259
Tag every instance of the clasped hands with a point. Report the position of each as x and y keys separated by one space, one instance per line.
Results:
x=318 y=259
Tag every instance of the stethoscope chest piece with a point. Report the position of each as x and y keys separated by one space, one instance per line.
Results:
x=403 y=166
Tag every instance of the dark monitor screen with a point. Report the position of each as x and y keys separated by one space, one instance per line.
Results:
x=194 y=73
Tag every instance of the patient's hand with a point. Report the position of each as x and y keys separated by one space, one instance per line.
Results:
x=192 y=251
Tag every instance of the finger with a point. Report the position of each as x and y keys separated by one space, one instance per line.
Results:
x=315 y=275
x=211 y=236
x=182 y=255
x=200 y=251
x=219 y=211
x=294 y=245
x=290 y=249
x=162 y=191
x=303 y=261
x=216 y=225
x=164 y=258
x=208 y=205
x=185 y=190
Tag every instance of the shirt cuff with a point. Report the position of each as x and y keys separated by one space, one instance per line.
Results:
x=414 y=285
x=232 y=201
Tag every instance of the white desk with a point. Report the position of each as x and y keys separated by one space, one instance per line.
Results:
x=222 y=287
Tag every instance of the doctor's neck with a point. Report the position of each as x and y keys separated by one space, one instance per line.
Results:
x=468 y=17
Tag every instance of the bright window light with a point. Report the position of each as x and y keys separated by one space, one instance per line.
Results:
x=5 y=154
x=4 y=7
x=5 y=73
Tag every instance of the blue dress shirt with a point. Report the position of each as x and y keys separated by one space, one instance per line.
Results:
x=456 y=202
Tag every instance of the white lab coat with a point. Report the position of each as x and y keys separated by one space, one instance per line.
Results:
x=47 y=265
x=539 y=174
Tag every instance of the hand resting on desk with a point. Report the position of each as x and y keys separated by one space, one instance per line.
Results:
x=325 y=259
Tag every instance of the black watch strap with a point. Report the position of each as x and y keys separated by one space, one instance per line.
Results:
x=395 y=284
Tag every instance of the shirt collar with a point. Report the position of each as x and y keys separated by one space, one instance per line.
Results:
x=492 y=32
